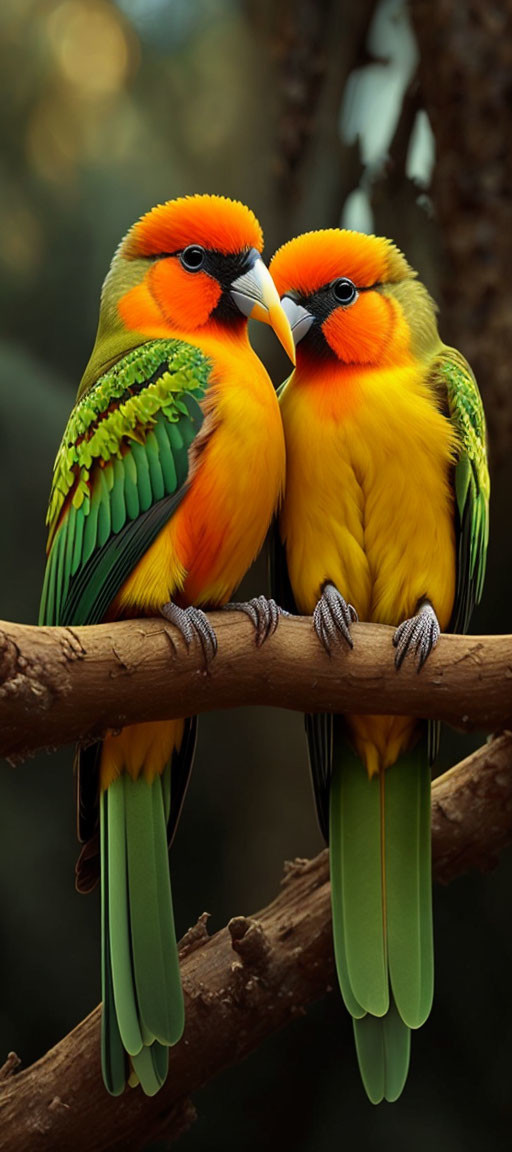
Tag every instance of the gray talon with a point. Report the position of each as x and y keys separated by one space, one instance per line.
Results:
x=419 y=635
x=263 y=613
x=332 y=616
x=193 y=624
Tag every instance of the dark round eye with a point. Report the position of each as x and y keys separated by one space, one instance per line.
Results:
x=344 y=290
x=192 y=257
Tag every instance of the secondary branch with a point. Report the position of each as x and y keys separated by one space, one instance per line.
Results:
x=241 y=984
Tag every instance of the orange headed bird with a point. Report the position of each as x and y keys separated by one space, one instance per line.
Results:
x=169 y=472
x=385 y=518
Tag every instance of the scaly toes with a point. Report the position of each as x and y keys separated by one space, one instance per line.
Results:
x=264 y=614
x=333 y=617
x=419 y=635
x=193 y=624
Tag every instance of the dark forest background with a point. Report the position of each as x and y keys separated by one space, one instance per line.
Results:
x=381 y=116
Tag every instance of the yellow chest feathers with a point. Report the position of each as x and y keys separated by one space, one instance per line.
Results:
x=368 y=499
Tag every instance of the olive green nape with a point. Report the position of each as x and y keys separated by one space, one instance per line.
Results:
x=420 y=311
x=398 y=267
x=113 y=338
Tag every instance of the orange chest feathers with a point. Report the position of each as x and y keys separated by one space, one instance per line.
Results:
x=236 y=480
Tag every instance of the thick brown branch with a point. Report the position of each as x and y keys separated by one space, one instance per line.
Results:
x=63 y=684
x=240 y=985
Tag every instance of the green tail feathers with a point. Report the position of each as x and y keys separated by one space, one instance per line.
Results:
x=143 y=1010
x=383 y=1046
x=380 y=861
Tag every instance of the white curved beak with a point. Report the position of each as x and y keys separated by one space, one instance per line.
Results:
x=255 y=294
x=299 y=318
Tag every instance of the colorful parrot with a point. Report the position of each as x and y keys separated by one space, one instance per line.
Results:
x=164 y=486
x=385 y=518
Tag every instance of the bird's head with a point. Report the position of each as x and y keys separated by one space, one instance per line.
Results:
x=188 y=267
x=352 y=297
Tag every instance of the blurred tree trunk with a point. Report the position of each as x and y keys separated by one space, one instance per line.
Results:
x=465 y=75
x=313 y=45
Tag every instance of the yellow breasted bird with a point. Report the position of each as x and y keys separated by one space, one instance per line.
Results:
x=385 y=518
x=164 y=486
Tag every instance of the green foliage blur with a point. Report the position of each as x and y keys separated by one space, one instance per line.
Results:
x=108 y=109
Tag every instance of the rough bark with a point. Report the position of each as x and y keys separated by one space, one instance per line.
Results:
x=64 y=684
x=241 y=984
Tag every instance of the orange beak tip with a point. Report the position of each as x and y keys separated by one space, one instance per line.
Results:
x=279 y=322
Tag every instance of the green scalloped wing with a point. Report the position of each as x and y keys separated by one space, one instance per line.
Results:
x=120 y=473
x=453 y=376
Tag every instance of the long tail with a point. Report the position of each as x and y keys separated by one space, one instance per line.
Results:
x=143 y=1011
x=380 y=862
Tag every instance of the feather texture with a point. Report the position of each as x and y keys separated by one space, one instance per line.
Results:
x=130 y=519
x=142 y=996
x=108 y=502
x=379 y=851
x=452 y=375
x=120 y=473
x=386 y=498
x=164 y=486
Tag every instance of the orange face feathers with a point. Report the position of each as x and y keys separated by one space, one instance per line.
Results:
x=366 y=334
x=314 y=259
x=170 y=294
x=214 y=222
x=343 y=293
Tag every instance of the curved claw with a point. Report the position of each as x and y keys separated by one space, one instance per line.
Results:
x=193 y=624
x=419 y=635
x=333 y=617
x=264 y=614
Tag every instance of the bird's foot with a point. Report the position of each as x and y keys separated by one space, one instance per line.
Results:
x=264 y=614
x=333 y=617
x=419 y=634
x=193 y=624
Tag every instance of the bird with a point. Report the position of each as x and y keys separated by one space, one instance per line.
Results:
x=164 y=486
x=385 y=518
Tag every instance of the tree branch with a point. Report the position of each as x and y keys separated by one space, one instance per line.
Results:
x=63 y=684
x=241 y=984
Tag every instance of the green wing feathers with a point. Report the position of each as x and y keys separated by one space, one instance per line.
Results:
x=379 y=846
x=120 y=472
x=454 y=379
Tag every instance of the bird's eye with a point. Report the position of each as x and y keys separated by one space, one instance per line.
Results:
x=345 y=291
x=192 y=257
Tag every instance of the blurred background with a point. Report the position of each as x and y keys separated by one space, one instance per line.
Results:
x=380 y=116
